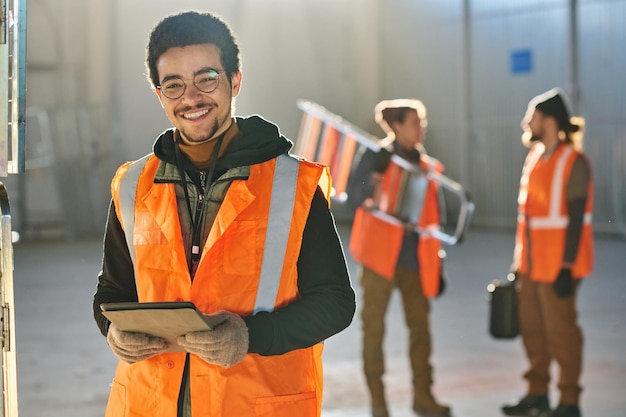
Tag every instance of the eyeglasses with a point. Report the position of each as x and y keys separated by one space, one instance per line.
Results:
x=206 y=81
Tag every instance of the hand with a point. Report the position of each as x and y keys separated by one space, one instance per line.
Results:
x=443 y=283
x=134 y=347
x=225 y=345
x=564 y=284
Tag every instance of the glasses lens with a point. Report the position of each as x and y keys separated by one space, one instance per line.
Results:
x=173 y=88
x=207 y=81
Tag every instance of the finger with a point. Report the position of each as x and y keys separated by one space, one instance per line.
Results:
x=132 y=356
x=199 y=349
x=139 y=344
x=203 y=337
x=218 y=317
x=141 y=351
x=222 y=331
x=130 y=338
x=136 y=338
x=156 y=343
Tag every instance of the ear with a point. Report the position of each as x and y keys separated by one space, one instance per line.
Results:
x=157 y=91
x=235 y=82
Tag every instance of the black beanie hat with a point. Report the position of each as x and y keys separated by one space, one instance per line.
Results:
x=552 y=103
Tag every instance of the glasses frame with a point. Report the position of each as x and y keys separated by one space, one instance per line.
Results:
x=184 y=82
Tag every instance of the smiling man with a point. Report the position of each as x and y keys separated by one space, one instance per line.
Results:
x=221 y=215
x=198 y=118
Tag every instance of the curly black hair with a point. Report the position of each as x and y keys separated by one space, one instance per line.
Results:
x=191 y=28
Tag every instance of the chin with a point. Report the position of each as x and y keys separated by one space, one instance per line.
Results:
x=198 y=138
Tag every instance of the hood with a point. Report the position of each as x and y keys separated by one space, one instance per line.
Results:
x=257 y=141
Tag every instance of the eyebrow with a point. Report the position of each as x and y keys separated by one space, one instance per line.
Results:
x=195 y=74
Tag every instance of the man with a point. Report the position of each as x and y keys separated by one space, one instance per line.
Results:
x=553 y=252
x=392 y=253
x=220 y=215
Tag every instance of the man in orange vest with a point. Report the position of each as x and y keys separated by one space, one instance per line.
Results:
x=393 y=254
x=221 y=215
x=553 y=252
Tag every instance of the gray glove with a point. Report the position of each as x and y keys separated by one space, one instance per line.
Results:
x=225 y=345
x=134 y=347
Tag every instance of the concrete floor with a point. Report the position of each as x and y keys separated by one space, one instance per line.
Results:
x=65 y=366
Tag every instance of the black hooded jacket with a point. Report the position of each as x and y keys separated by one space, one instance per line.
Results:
x=327 y=301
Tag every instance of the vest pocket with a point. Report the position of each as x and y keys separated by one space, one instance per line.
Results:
x=297 y=405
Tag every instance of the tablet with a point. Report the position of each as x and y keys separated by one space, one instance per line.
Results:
x=168 y=320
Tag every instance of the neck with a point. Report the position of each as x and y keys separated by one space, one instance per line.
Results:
x=550 y=143
x=201 y=154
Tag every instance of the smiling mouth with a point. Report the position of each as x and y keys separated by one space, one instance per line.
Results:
x=195 y=115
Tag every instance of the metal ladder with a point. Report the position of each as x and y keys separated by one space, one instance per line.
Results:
x=333 y=141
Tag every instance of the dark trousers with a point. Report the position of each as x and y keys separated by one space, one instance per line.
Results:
x=550 y=331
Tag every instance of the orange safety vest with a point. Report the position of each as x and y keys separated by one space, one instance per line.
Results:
x=543 y=216
x=376 y=238
x=236 y=274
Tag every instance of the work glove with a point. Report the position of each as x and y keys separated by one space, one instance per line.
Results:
x=564 y=284
x=134 y=347
x=443 y=283
x=225 y=345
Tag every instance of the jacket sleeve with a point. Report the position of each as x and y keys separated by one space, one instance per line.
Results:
x=116 y=280
x=576 y=196
x=362 y=181
x=327 y=303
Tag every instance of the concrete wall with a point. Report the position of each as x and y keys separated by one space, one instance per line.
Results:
x=86 y=70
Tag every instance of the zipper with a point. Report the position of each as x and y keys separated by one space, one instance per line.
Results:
x=197 y=226
x=202 y=190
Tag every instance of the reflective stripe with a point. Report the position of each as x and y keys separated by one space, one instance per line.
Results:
x=559 y=222
x=128 y=191
x=528 y=168
x=554 y=219
x=278 y=226
x=557 y=185
x=556 y=222
x=277 y=235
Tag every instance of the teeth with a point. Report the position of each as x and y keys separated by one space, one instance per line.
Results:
x=196 y=114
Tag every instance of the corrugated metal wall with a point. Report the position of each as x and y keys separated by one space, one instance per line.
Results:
x=499 y=94
x=602 y=40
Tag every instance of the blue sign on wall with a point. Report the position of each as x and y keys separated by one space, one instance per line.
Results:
x=521 y=61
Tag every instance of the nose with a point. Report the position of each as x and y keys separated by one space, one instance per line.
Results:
x=192 y=94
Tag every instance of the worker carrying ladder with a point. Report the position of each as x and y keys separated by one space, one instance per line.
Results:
x=329 y=139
